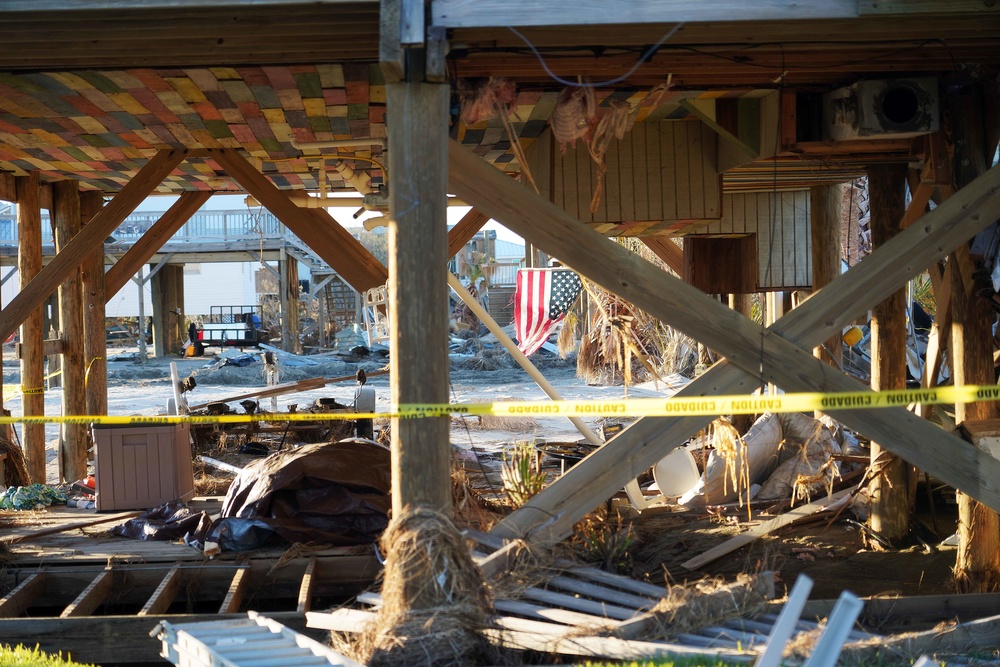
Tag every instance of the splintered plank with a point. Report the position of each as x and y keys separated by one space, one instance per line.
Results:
x=234 y=597
x=164 y=594
x=19 y=599
x=306 y=589
x=93 y=596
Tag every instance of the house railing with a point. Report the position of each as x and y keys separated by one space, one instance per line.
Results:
x=203 y=226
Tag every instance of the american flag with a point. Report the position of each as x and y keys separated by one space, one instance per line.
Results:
x=542 y=298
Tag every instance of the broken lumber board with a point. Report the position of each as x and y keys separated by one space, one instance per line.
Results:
x=765 y=528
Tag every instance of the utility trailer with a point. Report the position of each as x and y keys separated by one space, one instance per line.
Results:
x=236 y=326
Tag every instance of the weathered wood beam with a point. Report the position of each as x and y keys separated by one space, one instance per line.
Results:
x=29 y=263
x=315 y=227
x=463 y=232
x=418 y=291
x=665 y=248
x=93 y=596
x=492 y=13
x=845 y=298
x=153 y=239
x=130 y=196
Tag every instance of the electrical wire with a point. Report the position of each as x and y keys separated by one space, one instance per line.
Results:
x=610 y=82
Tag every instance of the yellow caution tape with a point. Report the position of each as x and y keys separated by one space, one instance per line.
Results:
x=635 y=407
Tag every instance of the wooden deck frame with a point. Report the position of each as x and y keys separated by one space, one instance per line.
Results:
x=551 y=514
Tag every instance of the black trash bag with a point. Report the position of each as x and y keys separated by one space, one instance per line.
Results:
x=333 y=493
x=171 y=521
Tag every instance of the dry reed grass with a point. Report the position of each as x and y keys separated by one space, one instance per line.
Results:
x=435 y=604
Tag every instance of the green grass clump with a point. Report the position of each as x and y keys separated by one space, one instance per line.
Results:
x=21 y=656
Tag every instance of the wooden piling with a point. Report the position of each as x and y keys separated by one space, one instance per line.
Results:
x=95 y=348
x=890 y=489
x=29 y=263
x=73 y=444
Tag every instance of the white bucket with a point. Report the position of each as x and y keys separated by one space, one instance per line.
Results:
x=676 y=473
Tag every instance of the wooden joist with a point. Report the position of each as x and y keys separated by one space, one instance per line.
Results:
x=164 y=595
x=91 y=240
x=237 y=589
x=306 y=589
x=18 y=600
x=93 y=596
x=153 y=239
x=785 y=362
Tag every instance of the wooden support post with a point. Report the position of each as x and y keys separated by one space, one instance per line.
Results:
x=418 y=248
x=825 y=219
x=186 y=205
x=289 y=269
x=95 y=347
x=890 y=489
x=73 y=444
x=29 y=263
x=168 y=309
x=977 y=566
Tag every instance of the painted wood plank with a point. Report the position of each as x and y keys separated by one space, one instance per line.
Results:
x=153 y=239
x=653 y=143
x=579 y=604
x=237 y=589
x=603 y=593
x=558 y=506
x=723 y=133
x=670 y=182
x=91 y=240
x=641 y=176
x=553 y=614
x=18 y=600
x=66 y=5
x=491 y=13
x=164 y=595
x=684 y=175
x=93 y=596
